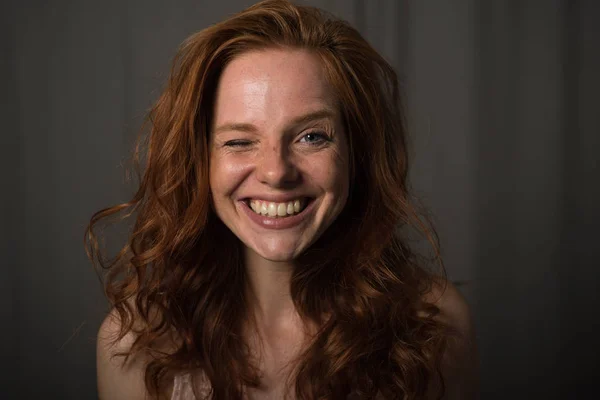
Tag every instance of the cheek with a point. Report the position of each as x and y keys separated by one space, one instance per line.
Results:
x=340 y=180
x=226 y=173
x=331 y=174
x=214 y=176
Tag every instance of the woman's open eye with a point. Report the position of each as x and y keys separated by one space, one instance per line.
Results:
x=315 y=138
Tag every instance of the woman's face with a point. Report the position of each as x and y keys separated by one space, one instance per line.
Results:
x=278 y=152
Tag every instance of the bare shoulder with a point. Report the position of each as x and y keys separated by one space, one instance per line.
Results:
x=117 y=380
x=454 y=309
x=461 y=361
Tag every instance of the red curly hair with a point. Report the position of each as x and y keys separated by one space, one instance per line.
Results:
x=180 y=275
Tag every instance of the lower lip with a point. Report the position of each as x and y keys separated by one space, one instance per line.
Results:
x=279 y=222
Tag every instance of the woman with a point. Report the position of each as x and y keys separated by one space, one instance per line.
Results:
x=268 y=257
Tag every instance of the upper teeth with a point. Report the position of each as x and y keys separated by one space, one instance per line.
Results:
x=277 y=209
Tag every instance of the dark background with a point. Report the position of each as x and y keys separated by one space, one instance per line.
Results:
x=504 y=113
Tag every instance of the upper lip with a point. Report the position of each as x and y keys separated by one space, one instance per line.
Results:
x=276 y=198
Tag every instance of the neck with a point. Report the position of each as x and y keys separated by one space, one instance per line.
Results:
x=268 y=290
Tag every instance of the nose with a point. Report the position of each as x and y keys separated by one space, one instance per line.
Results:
x=276 y=168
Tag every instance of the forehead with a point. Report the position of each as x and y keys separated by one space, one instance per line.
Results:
x=271 y=86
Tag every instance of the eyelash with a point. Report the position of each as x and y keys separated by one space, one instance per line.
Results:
x=323 y=138
x=237 y=143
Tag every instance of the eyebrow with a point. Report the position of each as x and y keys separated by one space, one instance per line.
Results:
x=303 y=119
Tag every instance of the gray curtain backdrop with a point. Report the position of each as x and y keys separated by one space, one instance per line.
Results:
x=503 y=109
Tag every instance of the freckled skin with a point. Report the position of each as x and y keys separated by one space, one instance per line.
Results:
x=268 y=90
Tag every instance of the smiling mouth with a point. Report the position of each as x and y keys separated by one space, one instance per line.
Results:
x=278 y=210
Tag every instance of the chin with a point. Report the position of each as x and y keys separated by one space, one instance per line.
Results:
x=277 y=255
x=276 y=252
